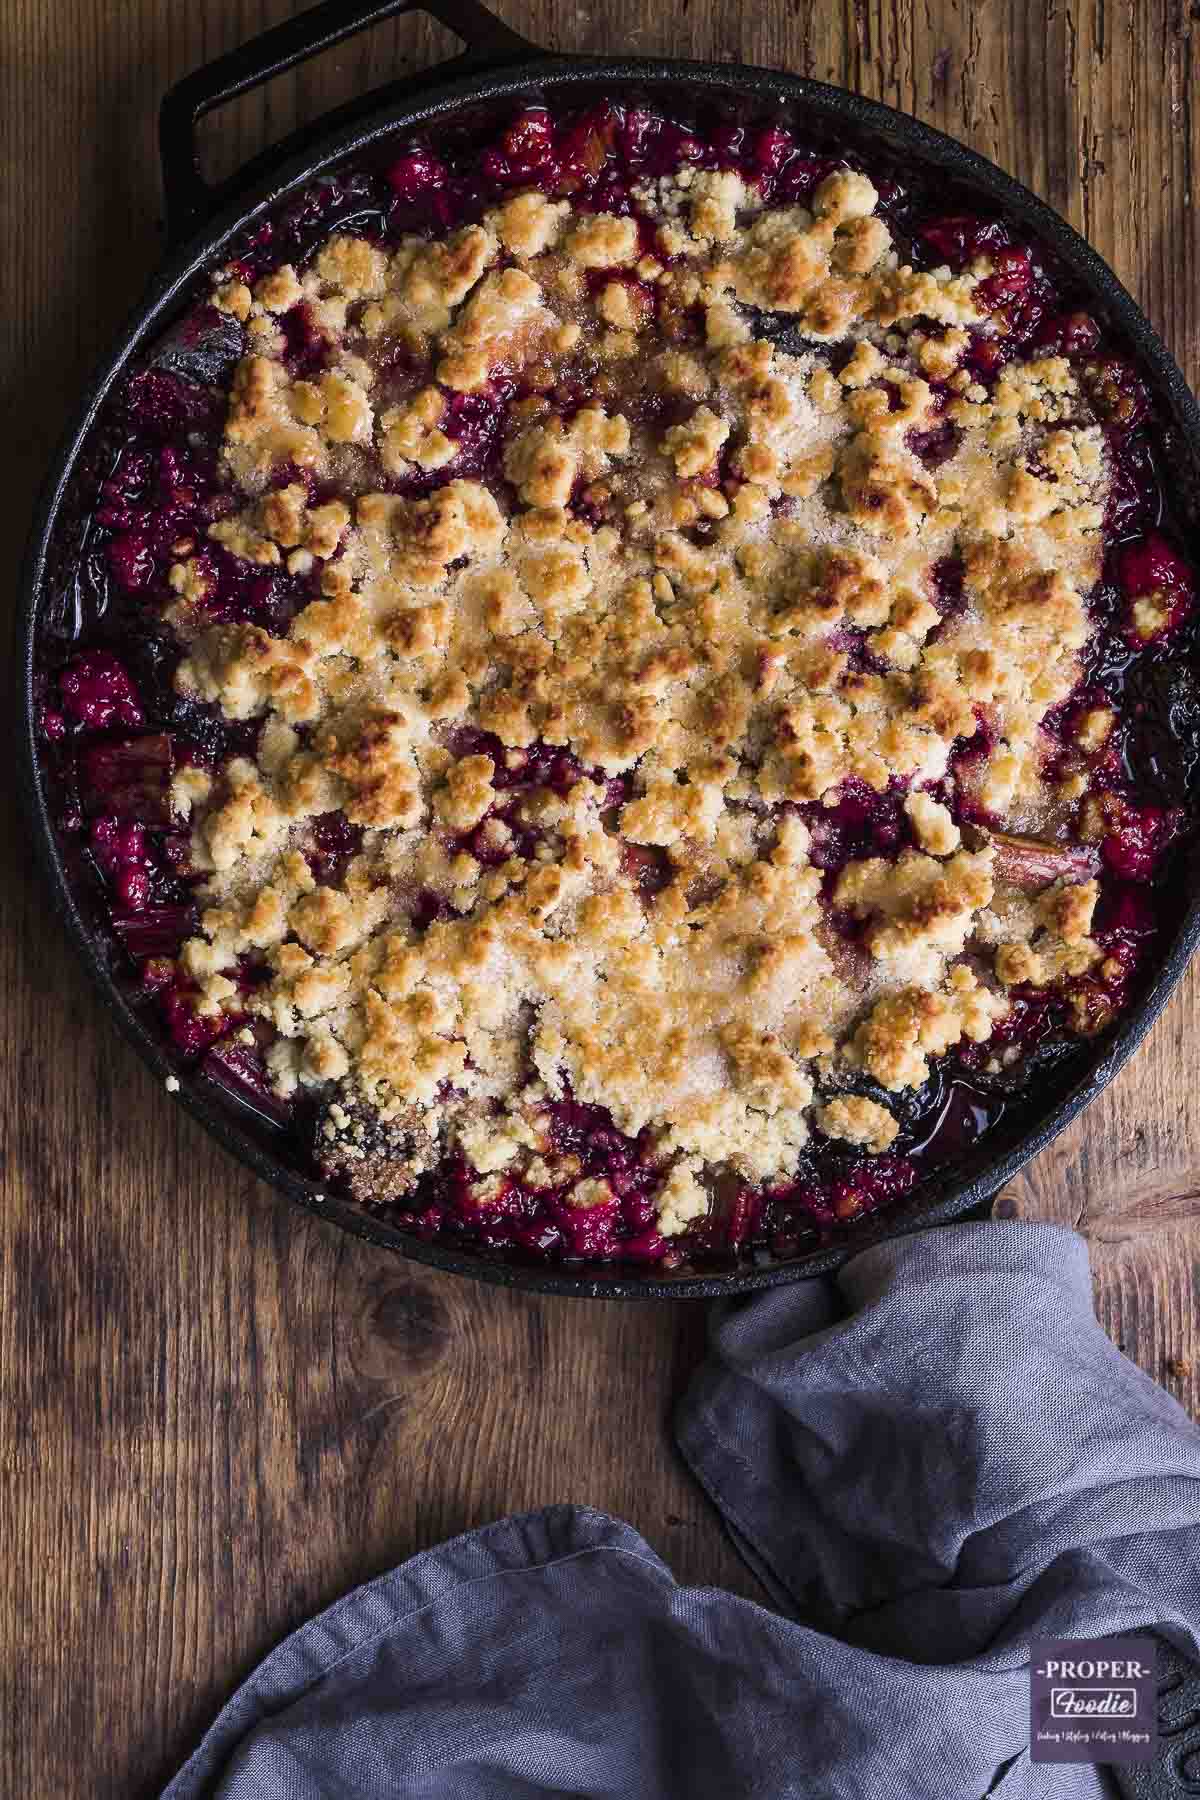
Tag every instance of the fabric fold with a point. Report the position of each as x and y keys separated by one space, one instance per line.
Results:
x=928 y=1461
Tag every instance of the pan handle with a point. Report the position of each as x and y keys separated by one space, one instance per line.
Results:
x=190 y=200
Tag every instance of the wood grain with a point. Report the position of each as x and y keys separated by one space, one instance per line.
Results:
x=216 y=1415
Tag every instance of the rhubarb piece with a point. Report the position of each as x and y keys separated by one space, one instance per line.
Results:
x=155 y=931
x=129 y=780
x=240 y=1071
x=1032 y=863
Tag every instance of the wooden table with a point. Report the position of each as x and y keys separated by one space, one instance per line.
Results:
x=215 y=1414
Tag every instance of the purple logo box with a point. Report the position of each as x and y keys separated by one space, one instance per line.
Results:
x=1093 y=1700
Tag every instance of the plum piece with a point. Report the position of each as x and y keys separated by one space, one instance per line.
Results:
x=525 y=152
x=960 y=237
x=415 y=175
x=772 y=147
x=1117 y=391
x=937 y=445
x=131 y=561
x=202 y=348
x=648 y=867
x=97 y=692
x=1068 y=334
x=121 y=852
x=1010 y=280
x=190 y=1031
x=1157 y=586
x=1138 y=838
x=163 y=404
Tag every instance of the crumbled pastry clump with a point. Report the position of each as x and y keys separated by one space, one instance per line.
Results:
x=859 y=1121
x=610 y=604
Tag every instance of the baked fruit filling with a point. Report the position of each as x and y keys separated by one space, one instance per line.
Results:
x=624 y=688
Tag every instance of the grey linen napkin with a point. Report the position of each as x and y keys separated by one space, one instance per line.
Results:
x=959 y=1463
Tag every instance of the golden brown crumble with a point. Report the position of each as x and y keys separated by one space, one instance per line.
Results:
x=859 y=1121
x=601 y=241
x=700 y=564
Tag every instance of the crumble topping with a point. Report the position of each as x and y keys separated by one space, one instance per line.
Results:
x=859 y=1121
x=601 y=241
x=591 y=689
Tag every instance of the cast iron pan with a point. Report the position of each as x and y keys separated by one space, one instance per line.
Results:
x=497 y=70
